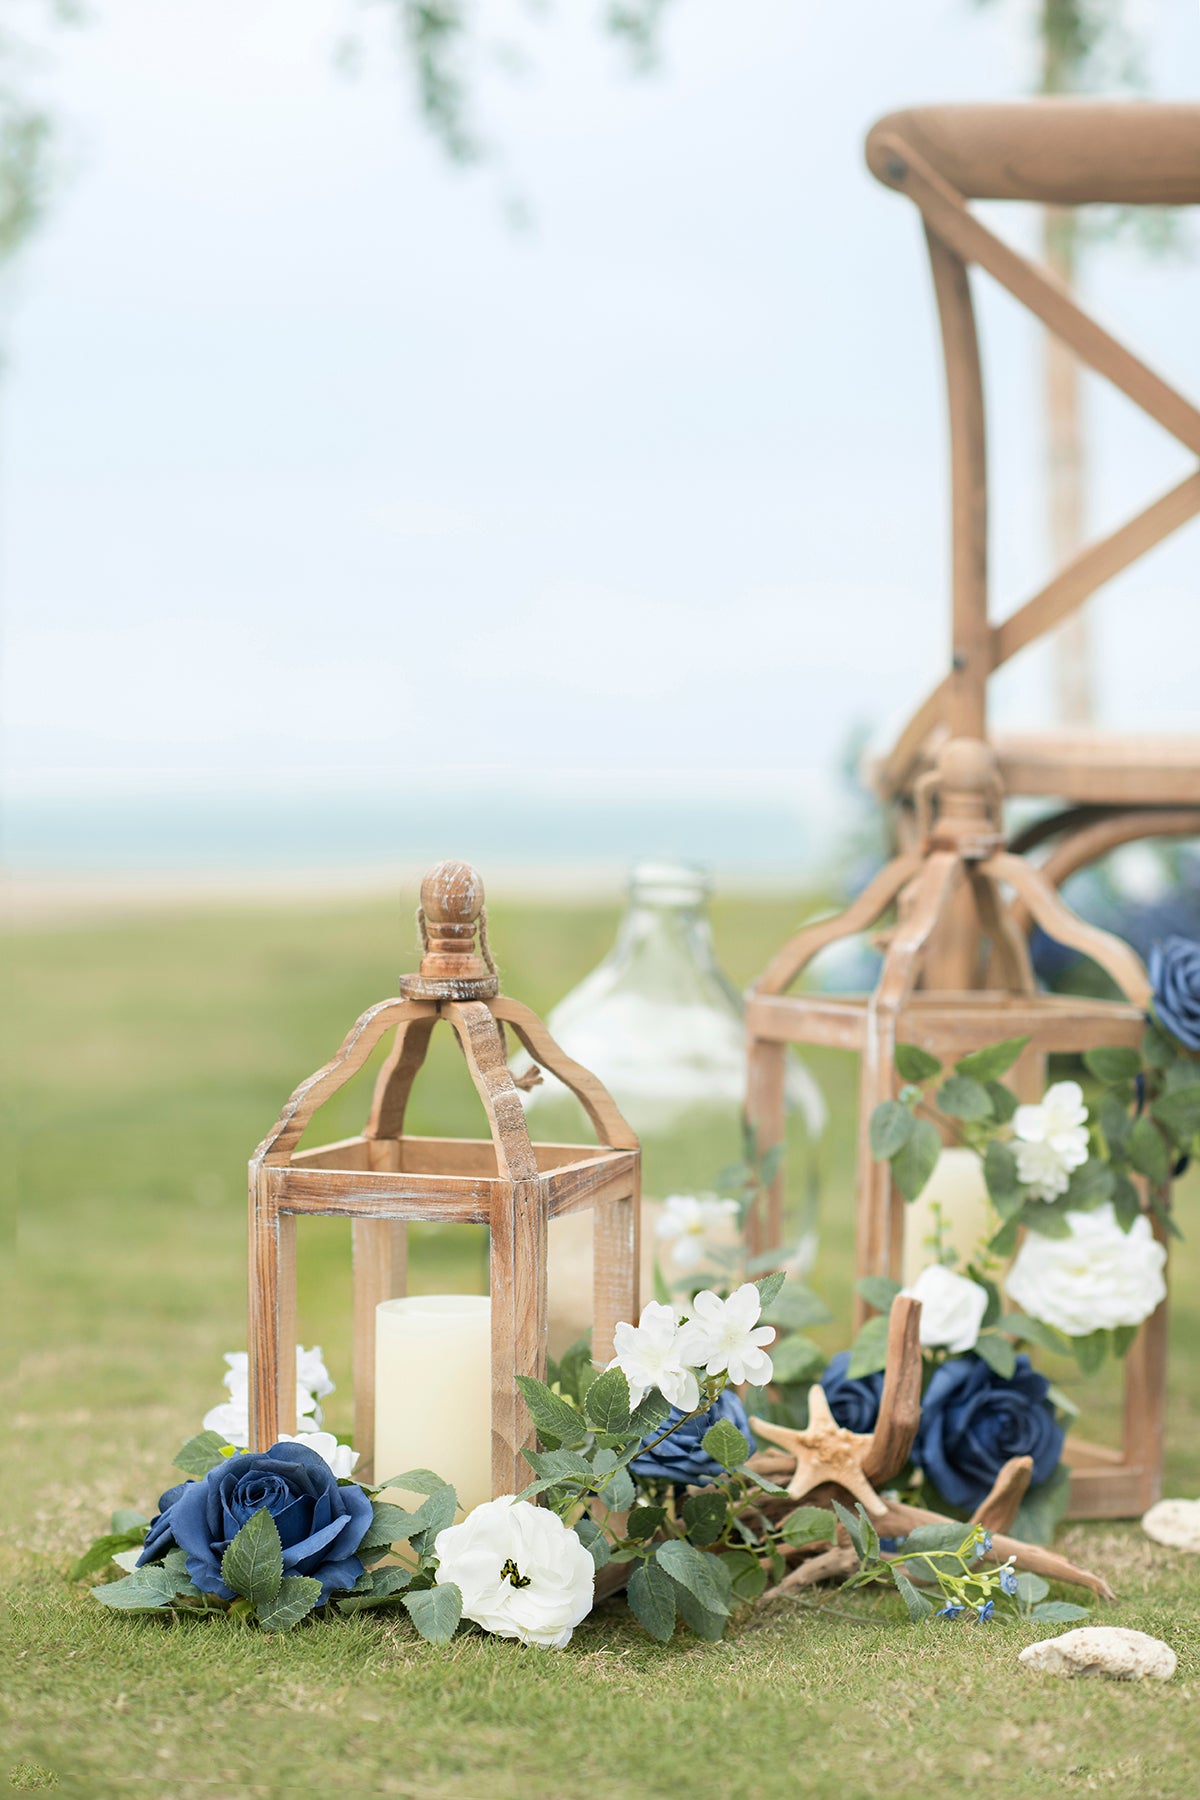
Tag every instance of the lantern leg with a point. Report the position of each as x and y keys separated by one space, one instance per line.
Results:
x=380 y=1273
x=272 y=1318
x=518 y=1288
x=616 y=1262
x=765 y=1082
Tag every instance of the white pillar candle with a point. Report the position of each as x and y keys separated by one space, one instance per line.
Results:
x=957 y=1187
x=433 y=1393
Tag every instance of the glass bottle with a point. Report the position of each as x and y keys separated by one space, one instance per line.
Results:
x=662 y=1027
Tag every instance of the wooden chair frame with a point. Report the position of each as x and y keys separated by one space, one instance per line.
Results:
x=384 y=1178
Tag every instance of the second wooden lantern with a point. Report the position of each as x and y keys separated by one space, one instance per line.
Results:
x=384 y=1178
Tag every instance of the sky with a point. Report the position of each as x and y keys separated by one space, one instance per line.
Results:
x=323 y=477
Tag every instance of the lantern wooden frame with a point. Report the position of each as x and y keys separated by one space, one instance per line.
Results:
x=961 y=862
x=384 y=1178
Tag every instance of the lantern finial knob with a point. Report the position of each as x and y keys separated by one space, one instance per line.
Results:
x=451 y=916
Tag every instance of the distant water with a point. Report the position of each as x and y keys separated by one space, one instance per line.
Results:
x=751 y=836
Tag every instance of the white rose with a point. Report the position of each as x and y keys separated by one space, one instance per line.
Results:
x=1097 y=1278
x=648 y=1357
x=340 y=1457
x=952 y=1308
x=522 y=1572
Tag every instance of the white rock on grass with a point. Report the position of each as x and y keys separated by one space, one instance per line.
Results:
x=1107 y=1650
x=1174 y=1522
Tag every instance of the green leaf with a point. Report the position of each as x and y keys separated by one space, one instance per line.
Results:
x=1148 y=1151
x=747 y=1574
x=297 y=1596
x=962 y=1098
x=1113 y=1065
x=553 y=1416
x=1031 y=1588
x=695 y=1571
x=860 y=1530
x=1050 y=1220
x=435 y=1611
x=1089 y=1352
x=891 y=1127
x=869 y=1349
x=997 y=1353
x=393 y=1525
x=1004 y=1101
x=919 y=1605
x=98 y=1555
x=1042 y=1508
x=760 y=1481
x=386 y=1587
x=705 y=1515
x=650 y=1412
x=808 y=1525
x=915 y=1064
x=253 y=1563
x=769 y=1286
x=126 y=1521
x=704 y=1624
x=619 y=1493
x=795 y=1308
x=878 y=1291
x=914 y=1164
x=797 y=1358
x=1115 y=1122
x=1179 y=1114
x=607 y=1402
x=1159 y=1048
x=1004 y=1241
x=990 y=1064
x=1123 y=1339
x=1003 y=1183
x=146 y=1590
x=414 y=1481
x=940 y=1537
x=1035 y=1331
x=651 y=1595
x=725 y=1444
x=1127 y=1203
x=1059 y=1611
x=1089 y=1186
x=645 y=1520
x=593 y=1539
x=575 y=1370
x=201 y=1453
x=560 y=1465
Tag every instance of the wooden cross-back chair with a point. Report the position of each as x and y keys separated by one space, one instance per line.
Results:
x=1064 y=153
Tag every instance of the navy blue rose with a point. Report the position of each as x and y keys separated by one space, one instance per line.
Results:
x=972 y=1421
x=679 y=1458
x=320 y=1524
x=853 y=1399
x=1175 y=978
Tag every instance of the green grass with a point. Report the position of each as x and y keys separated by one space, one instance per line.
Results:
x=145 y=1061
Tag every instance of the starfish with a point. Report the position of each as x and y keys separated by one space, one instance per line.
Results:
x=825 y=1452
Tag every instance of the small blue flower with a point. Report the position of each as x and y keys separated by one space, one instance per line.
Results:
x=1008 y=1581
x=985 y=1543
x=983 y=1613
x=951 y=1610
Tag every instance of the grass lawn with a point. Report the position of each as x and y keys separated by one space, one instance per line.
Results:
x=146 y=1059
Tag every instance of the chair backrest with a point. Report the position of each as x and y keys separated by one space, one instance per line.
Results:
x=1075 y=152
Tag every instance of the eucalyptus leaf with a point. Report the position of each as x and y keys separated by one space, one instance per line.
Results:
x=1003 y=1183
x=1034 y=1331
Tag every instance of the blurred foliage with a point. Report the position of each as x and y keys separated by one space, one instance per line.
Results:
x=26 y=134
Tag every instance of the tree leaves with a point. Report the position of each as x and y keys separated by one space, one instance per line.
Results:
x=202 y=1453
x=651 y=1595
x=915 y=1162
x=435 y=1611
x=297 y=1596
x=253 y=1563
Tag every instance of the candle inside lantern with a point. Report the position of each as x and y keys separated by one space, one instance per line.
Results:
x=433 y=1393
x=968 y=1219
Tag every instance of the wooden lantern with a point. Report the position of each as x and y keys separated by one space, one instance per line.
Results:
x=384 y=1178
x=960 y=862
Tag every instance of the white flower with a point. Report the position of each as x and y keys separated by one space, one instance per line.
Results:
x=232 y=1417
x=340 y=1457
x=1052 y=1140
x=952 y=1308
x=230 y=1421
x=312 y=1373
x=648 y=1357
x=522 y=1572
x=722 y=1335
x=1098 y=1278
x=688 y=1221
